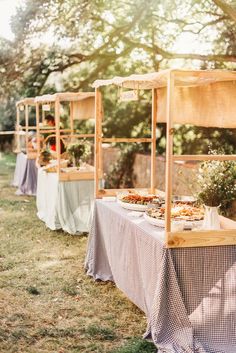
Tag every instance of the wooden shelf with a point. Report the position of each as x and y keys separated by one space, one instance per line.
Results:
x=204 y=157
x=188 y=239
x=73 y=176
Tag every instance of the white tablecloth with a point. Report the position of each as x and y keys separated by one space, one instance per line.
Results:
x=64 y=205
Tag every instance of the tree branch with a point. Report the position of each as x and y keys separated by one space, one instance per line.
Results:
x=230 y=10
x=169 y=55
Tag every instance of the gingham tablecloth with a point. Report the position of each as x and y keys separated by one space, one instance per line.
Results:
x=28 y=185
x=25 y=176
x=21 y=160
x=188 y=295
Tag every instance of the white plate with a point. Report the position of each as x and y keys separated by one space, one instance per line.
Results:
x=161 y=223
x=155 y=221
x=132 y=206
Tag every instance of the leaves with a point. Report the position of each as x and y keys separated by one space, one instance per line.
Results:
x=68 y=44
x=217 y=182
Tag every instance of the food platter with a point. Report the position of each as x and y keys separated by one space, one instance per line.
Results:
x=136 y=202
x=132 y=206
x=187 y=215
x=187 y=225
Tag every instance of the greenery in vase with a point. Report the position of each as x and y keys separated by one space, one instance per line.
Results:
x=79 y=152
x=45 y=157
x=217 y=182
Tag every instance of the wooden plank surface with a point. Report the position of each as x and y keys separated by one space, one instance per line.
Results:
x=153 y=145
x=113 y=192
x=51 y=130
x=37 y=131
x=18 y=147
x=80 y=135
x=71 y=119
x=29 y=101
x=26 y=127
x=29 y=127
x=73 y=176
x=8 y=132
x=98 y=144
x=58 y=140
x=204 y=157
x=191 y=239
x=169 y=149
x=125 y=139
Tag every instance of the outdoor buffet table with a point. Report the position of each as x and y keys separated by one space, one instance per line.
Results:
x=64 y=205
x=187 y=294
x=25 y=176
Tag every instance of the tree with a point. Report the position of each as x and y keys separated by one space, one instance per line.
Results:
x=75 y=42
x=100 y=33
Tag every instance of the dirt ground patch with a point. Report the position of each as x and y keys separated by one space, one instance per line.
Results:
x=47 y=302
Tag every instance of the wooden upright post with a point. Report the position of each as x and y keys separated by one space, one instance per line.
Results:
x=98 y=139
x=58 y=144
x=71 y=118
x=169 y=150
x=38 y=129
x=26 y=127
x=18 y=129
x=43 y=115
x=153 y=146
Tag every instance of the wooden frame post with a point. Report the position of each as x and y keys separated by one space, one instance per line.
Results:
x=153 y=145
x=169 y=151
x=26 y=127
x=98 y=140
x=58 y=144
x=18 y=149
x=72 y=118
x=38 y=131
x=43 y=115
x=56 y=100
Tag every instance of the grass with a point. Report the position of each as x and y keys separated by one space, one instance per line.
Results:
x=101 y=333
x=47 y=302
x=136 y=345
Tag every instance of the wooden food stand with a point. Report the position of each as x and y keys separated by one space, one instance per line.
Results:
x=81 y=106
x=24 y=105
x=201 y=98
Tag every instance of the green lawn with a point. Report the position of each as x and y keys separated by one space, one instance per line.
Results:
x=7 y=165
x=47 y=302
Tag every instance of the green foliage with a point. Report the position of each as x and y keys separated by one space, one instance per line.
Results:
x=189 y=139
x=217 y=182
x=45 y=157
x=79 y=152
x=121 y=173
x=66 y=45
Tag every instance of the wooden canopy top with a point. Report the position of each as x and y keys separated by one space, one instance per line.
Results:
x=25 y=101
x=183 y=78
x=64 y=97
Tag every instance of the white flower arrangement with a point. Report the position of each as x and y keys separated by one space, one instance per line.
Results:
x=217 y=182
